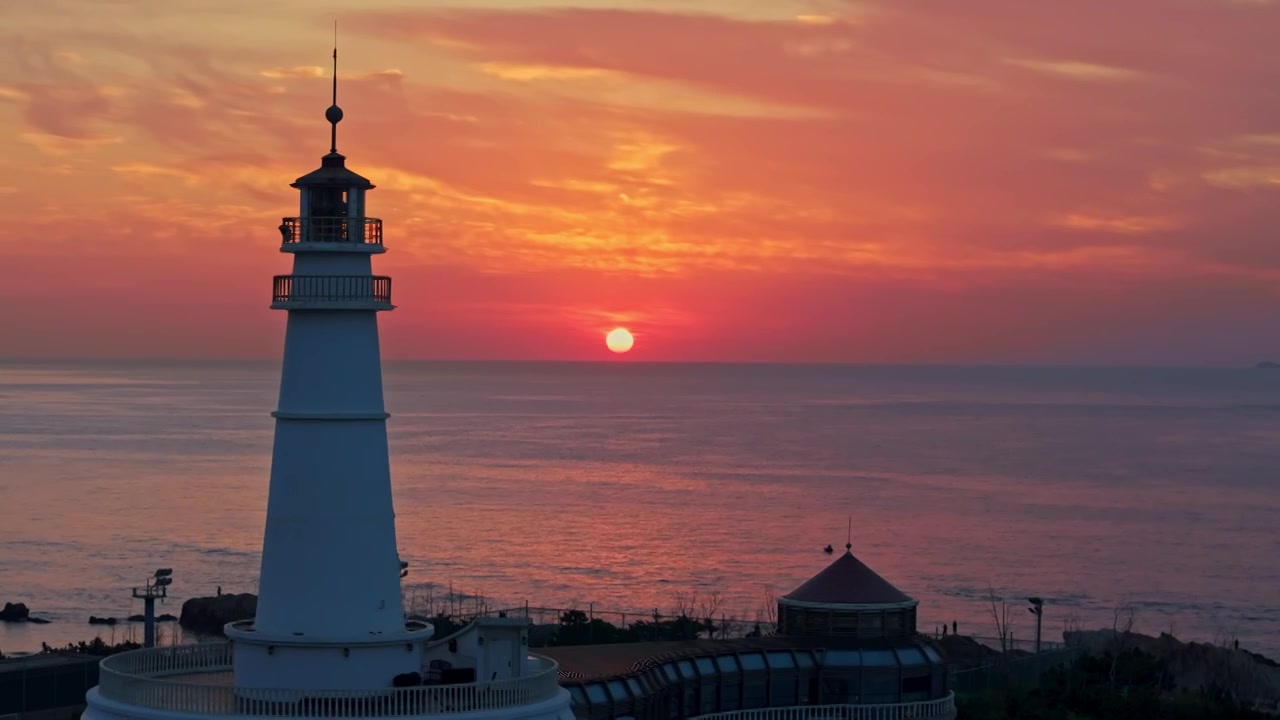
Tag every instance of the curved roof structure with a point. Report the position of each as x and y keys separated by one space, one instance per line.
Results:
x=847 y=581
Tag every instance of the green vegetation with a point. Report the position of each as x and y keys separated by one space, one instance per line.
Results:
x=576 y=628
x=1133 y=685
x=96 y=647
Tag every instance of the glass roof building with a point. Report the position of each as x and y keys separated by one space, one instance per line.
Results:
x=845 y=638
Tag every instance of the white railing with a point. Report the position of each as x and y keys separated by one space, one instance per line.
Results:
x=137 y=678
x=941 y=708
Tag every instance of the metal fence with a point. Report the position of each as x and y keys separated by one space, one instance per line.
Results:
x=1025 y=670
x=43 y=682
x=725 y=626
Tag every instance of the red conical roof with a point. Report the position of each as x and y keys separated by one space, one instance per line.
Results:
x=847 y=581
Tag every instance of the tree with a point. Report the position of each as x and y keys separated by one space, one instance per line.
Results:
x=1000 y=614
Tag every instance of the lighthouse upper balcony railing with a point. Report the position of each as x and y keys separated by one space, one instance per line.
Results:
x=331 y=233
x=197 y=679
x=331 y=291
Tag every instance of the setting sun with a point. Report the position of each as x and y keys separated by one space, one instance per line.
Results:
x=619 y=340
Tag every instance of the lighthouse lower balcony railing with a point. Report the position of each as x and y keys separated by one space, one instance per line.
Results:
x=197 y=679
x=331 y=231
x=331 y=292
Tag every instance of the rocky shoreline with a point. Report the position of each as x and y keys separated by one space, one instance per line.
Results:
x=20 y=613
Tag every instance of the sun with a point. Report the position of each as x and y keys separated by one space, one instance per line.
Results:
x=619 y=340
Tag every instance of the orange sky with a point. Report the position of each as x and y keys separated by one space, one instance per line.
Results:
x=826 y=180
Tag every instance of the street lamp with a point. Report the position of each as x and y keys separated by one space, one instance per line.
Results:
x=1037 y=609
x=157 y=587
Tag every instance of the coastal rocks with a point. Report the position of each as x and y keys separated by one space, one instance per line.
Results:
x=14 y=612
x=18 y=612
x=95 y=620
x=207 y=615
x=1194 y=666
x=962 y=651
x=166 y=617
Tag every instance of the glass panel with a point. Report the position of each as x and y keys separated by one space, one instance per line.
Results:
x=752 y=661
x=783 y=690
x=595 y=692
x=842 y=658
x=755 y=694
x=804 y=659
x=708 y=698
x=670 y=671
x=781 y=659
x=705 y=666
x=879 y=658
x=727 y=663
x=577 y=694
x=686 y=669
x=911 y=656
x=636 y=690
x=880 y=686
x=618 y=690
x=932 y=653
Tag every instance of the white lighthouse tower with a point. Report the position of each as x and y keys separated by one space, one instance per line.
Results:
x=330 y=638
x=329 y=595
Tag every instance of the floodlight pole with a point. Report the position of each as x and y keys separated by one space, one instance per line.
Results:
x=157 y=587
x=1037 y=609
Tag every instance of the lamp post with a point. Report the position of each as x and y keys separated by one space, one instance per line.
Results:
x=157 y=587
x=1037 y=609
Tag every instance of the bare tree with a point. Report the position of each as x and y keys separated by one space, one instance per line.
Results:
x=1000 y=614
x=1123 y=617
x=768 y=612
x=685 y=604
x=1071 y=623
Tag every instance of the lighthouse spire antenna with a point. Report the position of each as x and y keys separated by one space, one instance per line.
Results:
x=848 y=543
x=334 y=113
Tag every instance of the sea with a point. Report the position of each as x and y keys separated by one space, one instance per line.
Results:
x=628 y=487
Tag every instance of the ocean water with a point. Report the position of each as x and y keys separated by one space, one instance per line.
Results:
x=623 y=486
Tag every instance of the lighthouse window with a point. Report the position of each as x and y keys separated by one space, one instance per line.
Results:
x=727 y=664
x=933 y=654
x=670 y=671
x=705 y=667
x=686 y=669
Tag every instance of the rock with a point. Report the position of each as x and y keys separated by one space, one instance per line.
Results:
x=95 y=620
x=37 y=620
x=1194 y=666
x=207 y=615
x=14 y=612
x=963 y=651
x=137 y=618
x=166 y=617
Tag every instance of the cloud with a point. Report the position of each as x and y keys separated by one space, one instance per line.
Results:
x=1077 y=70
x=938 y=181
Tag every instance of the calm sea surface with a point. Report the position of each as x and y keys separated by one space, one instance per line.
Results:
x=623 y=485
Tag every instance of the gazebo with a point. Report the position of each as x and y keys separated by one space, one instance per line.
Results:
x=868 y=627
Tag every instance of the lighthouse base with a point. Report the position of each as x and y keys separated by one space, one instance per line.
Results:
x=297 y=663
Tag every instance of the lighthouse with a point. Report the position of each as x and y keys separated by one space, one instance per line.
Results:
x=330 y=639
x=329 y=609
